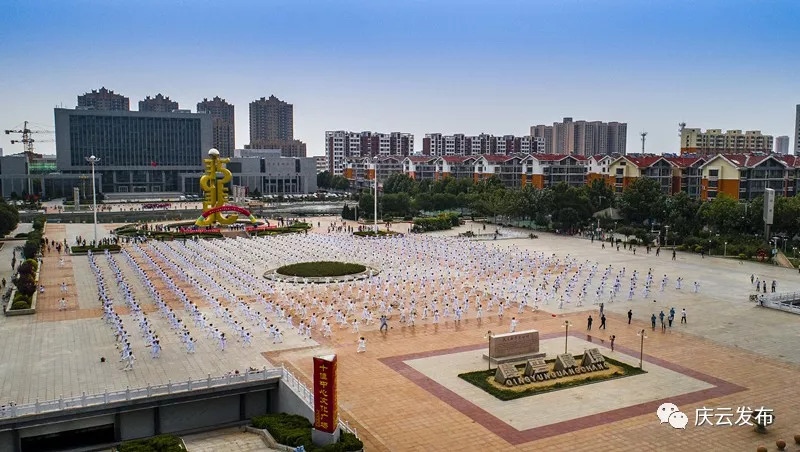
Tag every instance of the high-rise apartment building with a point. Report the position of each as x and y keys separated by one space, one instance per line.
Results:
x=782 y=145
x=222 y=119
x=797 y=131
x=341 y=144
x=270 y=119
x=437 y=144
x=272 y=127
x=104 y=100
x=582 y=137
x=158 y=104
x=715 y=141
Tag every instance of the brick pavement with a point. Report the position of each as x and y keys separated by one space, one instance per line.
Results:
x=401 y=414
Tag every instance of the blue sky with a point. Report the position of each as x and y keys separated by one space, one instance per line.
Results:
x=417 y=66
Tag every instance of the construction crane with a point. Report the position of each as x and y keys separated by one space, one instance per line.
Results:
x=27 y=140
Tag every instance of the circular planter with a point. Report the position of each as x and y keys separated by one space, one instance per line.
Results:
x=329 y=272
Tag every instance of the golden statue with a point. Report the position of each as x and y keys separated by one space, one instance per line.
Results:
x=216 y=193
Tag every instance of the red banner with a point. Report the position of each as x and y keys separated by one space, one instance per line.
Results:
x=326 y=415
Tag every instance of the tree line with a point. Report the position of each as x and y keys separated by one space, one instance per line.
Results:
x=644 y=210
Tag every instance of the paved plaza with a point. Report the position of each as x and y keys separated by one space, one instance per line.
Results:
x=404 y=393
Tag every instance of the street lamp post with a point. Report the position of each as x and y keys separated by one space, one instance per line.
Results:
x=566 y=334
x=642 y=335
x=666 y=238
x=725 y=252
x=93 y=160
x=375 y=213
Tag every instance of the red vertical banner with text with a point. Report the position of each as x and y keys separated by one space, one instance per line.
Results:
x=326 y=414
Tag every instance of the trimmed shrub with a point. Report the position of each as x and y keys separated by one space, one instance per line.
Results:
x=440 y=222
x=83 y=249
x=162 y=443
x=21 y=304
x=21 y=235
x=26 y=284
x=26 y=268
x=293 y=430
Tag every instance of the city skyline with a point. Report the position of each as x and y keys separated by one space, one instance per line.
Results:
x=671 y=72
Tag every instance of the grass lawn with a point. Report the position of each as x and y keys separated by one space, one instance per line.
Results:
x=484 y=379
x=320 y=269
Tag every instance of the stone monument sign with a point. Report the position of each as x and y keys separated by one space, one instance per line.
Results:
x=518 y=346
x=592 y=356
x=536 y=366
x=505 y=372
x=565 y=361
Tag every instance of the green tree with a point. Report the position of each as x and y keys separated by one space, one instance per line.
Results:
x=9 y=218
x=682 y=214
x=643 y=201
x=324 y=179
x=723 y=214
x=366 y=206
x=600 y=194
x=395 y=204
x=399 y=183
x=786 y=218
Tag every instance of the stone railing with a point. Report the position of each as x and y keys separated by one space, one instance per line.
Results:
x=789 y=302
x=13 y=410
x=308 y=397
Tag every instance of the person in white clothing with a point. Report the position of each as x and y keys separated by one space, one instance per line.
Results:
x=362 y=345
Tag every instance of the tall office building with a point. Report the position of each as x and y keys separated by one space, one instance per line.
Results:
x=138 y=151
x=782 y=145
x=797 y=131
x=582 y=137
x=105 y=100
x=270 y=119
x=222 y=119
x=158 y=104
x=715 y=141
x=341 y=144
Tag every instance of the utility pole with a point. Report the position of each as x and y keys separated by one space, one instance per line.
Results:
x=644 y=137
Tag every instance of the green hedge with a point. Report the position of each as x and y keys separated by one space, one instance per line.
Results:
x=440 y=222
x=83 y=249
x=293 y=430
x=163 y=443
x=320 y=269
